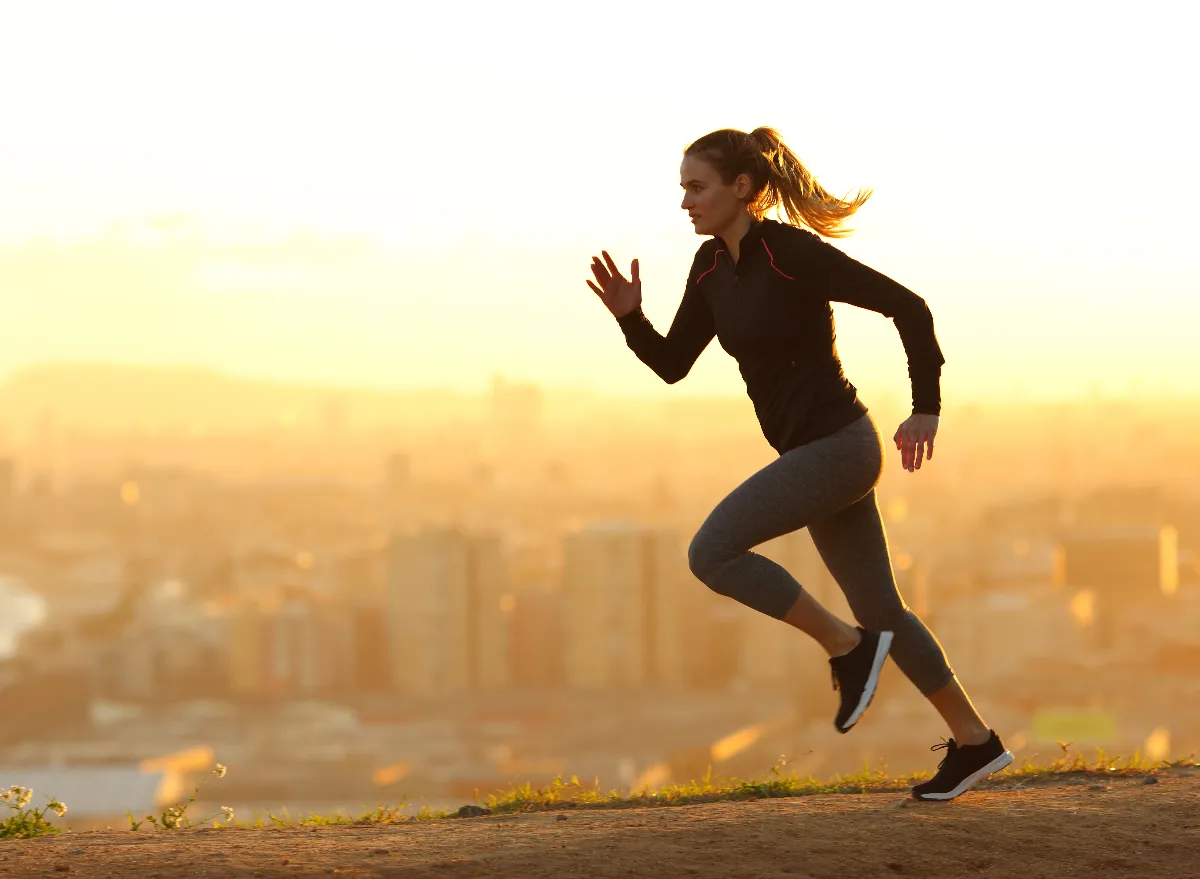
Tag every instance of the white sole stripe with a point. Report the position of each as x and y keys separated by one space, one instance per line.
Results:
x=881 y=652
x=973 y=779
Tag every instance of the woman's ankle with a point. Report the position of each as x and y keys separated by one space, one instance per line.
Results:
x=843 y=642
x=972 y=736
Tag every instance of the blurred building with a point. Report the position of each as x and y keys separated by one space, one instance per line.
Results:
x=1119 y=572
x=298 y=647
x=632 y=612
x=447 y=612
x=536 y=639
x=370 y=649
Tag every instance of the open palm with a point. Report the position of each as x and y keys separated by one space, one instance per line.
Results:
x=620 y=296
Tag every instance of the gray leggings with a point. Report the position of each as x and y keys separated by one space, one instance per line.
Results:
x=828 y=486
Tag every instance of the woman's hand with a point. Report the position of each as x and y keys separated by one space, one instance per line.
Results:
x=911 y=438
x=618 y=295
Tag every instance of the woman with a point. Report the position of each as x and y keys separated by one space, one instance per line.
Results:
x=763 y=289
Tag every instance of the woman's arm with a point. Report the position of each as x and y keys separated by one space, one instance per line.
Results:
x=672 y=356
x=842 y=278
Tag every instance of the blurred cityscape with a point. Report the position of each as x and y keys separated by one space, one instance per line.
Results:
x=353 y=598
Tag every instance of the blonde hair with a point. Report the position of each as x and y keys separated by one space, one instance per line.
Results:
x=778 y=179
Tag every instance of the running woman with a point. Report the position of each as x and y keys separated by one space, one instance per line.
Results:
x=763 y=288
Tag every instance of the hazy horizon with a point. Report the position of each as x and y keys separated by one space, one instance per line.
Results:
x=483 y=384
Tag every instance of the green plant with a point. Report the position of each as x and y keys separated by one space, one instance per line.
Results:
x=27 y=823
x=175 y=817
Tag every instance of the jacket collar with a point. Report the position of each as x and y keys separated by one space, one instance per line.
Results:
x=756 y=231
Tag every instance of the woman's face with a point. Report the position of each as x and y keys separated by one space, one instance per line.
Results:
x=711 y=204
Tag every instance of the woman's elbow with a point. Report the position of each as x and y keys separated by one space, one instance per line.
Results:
x=674 y=372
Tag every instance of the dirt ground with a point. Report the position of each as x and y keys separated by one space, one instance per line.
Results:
x=1125 y=828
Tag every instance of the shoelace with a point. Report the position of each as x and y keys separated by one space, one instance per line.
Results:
x=950 y=747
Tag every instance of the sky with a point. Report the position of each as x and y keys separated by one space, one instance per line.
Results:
x=402 y=195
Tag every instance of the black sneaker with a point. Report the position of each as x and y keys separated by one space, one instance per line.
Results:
x=856 y=674
x=963 y=767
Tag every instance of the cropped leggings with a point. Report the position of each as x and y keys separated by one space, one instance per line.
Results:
x=828 y=486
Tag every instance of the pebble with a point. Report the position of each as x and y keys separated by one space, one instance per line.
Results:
x=1150 y=780
x=472 y=812
x=1098 y=787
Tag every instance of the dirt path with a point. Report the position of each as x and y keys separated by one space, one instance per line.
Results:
x=1125 y=829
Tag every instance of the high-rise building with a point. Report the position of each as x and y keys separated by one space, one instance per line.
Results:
x=536 y=639
x=630 y=607
x=1117 y=570
x=1121 y=563
x=604 y=607
x=371 y=669
x=446 y=611
x=294 y=648
x=247 y=649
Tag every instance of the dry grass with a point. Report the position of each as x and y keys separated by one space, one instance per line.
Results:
x=572 y=794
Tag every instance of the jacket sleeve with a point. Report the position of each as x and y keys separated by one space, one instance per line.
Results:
x=672 y=356
x=842 y=278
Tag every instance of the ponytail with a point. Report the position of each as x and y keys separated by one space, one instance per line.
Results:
x=778 y=179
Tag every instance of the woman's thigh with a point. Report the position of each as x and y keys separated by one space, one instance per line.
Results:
x=801 y=486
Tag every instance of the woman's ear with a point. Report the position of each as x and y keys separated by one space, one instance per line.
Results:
x=741 y=186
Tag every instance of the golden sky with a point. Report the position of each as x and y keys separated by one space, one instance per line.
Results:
x=393 y=194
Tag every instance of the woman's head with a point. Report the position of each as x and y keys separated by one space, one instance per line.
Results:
x=729 y=172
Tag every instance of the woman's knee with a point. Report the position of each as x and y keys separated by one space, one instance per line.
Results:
x=700 y=556
x=705 y=556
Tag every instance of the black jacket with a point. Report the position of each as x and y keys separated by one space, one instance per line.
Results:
x=771 y=312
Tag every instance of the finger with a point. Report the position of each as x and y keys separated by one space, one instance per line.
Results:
x=634 y=271
x=596 y=289
x=612 y=266
x=601 y=275
x=930 y=455
x=920 y=454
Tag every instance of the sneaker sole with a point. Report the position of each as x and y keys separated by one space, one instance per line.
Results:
x=971 y=780
x=881 y=652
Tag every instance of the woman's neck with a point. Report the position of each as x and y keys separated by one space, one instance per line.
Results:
x=733 y=234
